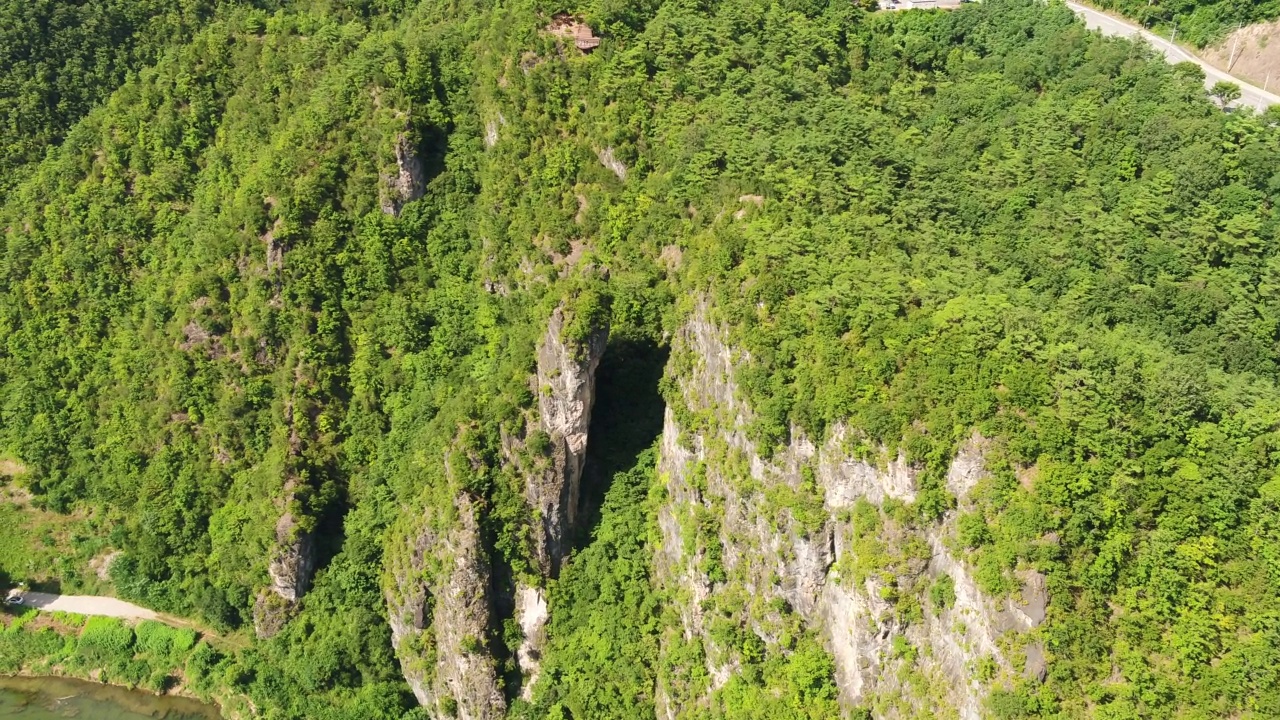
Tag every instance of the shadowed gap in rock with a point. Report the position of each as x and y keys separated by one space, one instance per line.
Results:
x=627 y=419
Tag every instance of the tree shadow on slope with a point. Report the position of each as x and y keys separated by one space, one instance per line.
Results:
x=625 y=422
x=600 y=655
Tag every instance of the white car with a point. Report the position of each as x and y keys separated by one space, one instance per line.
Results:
x=14 y=599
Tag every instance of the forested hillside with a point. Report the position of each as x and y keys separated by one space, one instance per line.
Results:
x=443 y=360
x=62 y=58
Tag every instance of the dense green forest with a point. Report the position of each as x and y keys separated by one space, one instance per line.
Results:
x=1200 y=22
x=62 y=58
x=216 y=311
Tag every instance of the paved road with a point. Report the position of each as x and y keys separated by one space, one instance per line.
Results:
x=88 y=605
x=1250 y=95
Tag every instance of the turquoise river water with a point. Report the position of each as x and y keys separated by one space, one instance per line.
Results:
x=50 y=698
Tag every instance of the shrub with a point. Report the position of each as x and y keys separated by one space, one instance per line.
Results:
x=201 y=664
x=130 y=672
x=943 y=592
x=105 y=638
x=1007 y=705
x=18 y=649
x=161 y=641
x=159 y=682
x=69 y=619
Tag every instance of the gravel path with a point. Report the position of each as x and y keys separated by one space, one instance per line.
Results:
x=1250 y=95
x=88 y=605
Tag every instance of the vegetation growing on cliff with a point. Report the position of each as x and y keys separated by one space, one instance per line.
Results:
x=915 y=224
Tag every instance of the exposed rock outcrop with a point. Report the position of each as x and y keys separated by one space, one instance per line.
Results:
x=493 y=128
x=291 y=567
x=440 y=607
x=566 y=382
x=292 y=562
x=610 y=160
x=778 y=531
x=442 y=600
x=408 y=182
x=566 y=386
x=532 y=615
x=570 y=28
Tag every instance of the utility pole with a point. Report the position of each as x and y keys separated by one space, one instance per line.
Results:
x=1235 y=45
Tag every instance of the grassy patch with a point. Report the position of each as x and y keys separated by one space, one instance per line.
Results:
x=50 y=550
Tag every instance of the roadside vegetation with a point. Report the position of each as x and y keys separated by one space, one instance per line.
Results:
x=1199 y=22
x=53 y=551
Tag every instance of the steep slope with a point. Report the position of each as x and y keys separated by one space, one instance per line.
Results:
x=1250 y=52
x=442 y=595
x=61 y=59
x=179 y=337
x=820 y=541
x=973 y=320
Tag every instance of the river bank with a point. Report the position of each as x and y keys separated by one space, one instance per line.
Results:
x=148 y=658
x=38 y=698
x=178 y=694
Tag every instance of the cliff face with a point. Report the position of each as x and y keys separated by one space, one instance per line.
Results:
x=407 y=183
x=440 y=609
x=292 y=561
x=566 y=386
x=291 y=567
x=441 y=596
x=815 y=539
x=814 y=534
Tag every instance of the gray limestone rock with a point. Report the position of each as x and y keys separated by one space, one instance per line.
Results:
x=291 y=567
x=440 y=606
x=408 y=182
x=773 y=557
x=566 y=382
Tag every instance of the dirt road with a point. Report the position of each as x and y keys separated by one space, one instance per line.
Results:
x=1250 y=95
x=88 y=605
